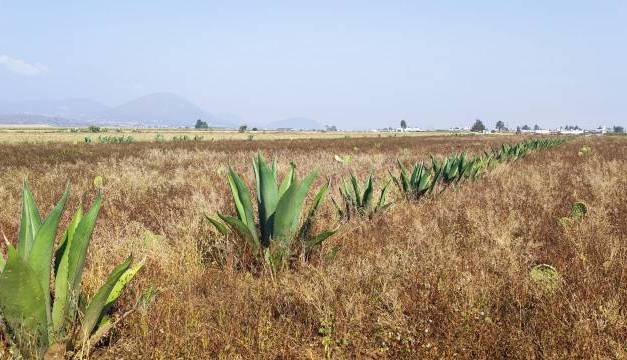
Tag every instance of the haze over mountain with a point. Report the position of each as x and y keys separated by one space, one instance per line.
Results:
x=153 y=110
x=66 y=108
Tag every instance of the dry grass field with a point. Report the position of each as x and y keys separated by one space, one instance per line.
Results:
x=51 y=135
x=445 y=277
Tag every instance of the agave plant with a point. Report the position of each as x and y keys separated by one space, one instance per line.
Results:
x=454 y=168
x=413 y=187
x=277 y=232
x=358 y=202
x=36 y=322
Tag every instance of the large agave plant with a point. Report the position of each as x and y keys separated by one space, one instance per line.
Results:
x=35 y=321
x=358 y=202
x=418 y=184
x=278 y=229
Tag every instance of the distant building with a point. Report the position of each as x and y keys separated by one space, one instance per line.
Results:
x=409 y=129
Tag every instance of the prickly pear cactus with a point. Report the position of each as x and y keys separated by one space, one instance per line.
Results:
x=98 y=182
x=585 y=151
x=578 y=210
x=546 y=277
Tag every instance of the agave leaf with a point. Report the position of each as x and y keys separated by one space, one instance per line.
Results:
x=289 y=208
x=356 y=190
x=320 y=238
x=397 y=182
x=381 y=205
x=268 y=197
x=243 y=204
x=61 y=283
x=368 y=193
x=340 y=212
x=218 y=225
x=77 y=254
x=415 y=174
x=241 y=228
x=104 y=327
x=122 y=282
x=287 y=181
x=404 y=180
x=22 y=302
x=98 y=303
x=422 y=181
x=348 y=195
x=304 y=229
x=2 y=262
x=40 y=257
x=29 y=223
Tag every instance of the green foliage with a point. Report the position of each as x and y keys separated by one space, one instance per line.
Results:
x=545 y=277
x=159 y=138
x=356 y=202
x=585 y=151
x=94 y=129
x=419 y=184
x=35 y=320
x=277 y=234
x=456 y=168
x=344 y=159
x=110 y=139
x=578 y=210
x=477 y=126
x=98 y=182
x=87 y=140
x=181 y=138
x=201 y=124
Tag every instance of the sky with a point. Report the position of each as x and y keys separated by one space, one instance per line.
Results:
x=354 y=64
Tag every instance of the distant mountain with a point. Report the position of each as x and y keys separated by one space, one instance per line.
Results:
x=79 y=109
x=159 y=109
x=296 y=123
x=162 y=109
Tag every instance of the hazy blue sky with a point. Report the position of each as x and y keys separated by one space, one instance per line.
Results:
x=350 y=63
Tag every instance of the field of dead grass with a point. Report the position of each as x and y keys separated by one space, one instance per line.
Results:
x=446 y=277
x=51 y=135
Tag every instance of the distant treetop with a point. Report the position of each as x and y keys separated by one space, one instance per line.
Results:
x=477 y=126
x=201 y=124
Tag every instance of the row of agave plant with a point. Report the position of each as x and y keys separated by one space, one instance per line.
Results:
x=43 y=313
x=282 y=231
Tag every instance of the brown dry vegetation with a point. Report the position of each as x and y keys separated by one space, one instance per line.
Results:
x=443 y=278
x=51 y=135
